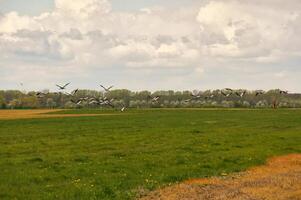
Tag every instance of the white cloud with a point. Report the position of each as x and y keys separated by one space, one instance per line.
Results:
x=80 y=8
x=281 y=74
x=87 y=36
x=12 y=22
x=252 y=29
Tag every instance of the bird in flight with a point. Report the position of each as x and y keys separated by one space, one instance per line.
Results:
x=40 y=94
x=94 y=101
x=229 y=89
x=241 y=94
x=283 y=92
x=108 y=102
x=107 y=89
x=154 y=99
x=62 y=87
x=84 y=98
x=196 y=96
x=225 y=94
x=259 y=92
x=78 y=102
x=210 y=96
x=74 y=92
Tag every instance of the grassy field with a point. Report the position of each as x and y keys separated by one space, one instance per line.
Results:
x=118 y=156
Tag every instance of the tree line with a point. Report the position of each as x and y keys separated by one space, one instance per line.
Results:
x=15 y=99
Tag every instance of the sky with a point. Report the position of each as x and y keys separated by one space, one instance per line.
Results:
x=150 y=44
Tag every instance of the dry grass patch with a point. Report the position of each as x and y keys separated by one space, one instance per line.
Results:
x=31 y=114
x=279 y=179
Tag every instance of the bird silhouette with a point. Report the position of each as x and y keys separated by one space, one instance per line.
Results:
x=154 y=99
x=210 y=96
x=196 y=96
x=225 y=94
x=229 y=89
x=107 y=89
x=283 y=92
x=74 y=92
x=62 y=87
x=41 y=94
x=241 y=94
x=108 y=102
x=123 y=109
x=259 y=92
x=78 y=102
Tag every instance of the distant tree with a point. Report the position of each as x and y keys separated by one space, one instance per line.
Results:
x=2 y=102
x=169 y=98
x=10 y=95
x=228 y=104
x=214 y=104
x=283 y=105
x=29 y=102
x=15 y=103
x=50 y=103
x=246 y=104
x=133 y=104
x=69 y=105
x=262 y=104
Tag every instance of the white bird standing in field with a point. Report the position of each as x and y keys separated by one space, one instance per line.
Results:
x=122 y=109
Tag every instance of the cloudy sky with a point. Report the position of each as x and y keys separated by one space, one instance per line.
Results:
x=148 y=44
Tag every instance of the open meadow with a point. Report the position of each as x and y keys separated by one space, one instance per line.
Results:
x=114 y=155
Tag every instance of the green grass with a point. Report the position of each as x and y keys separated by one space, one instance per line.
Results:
x=111 y=157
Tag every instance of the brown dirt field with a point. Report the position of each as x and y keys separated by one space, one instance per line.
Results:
x=279 y=179
x=29 y=114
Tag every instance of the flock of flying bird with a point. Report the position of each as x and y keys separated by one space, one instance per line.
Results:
x=227 y=92
x=105 y=101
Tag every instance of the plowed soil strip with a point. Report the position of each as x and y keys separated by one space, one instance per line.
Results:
x=29 y=114
x=279 y=179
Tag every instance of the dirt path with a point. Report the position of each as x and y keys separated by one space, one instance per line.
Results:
x=279 y=179
x=28 y=114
